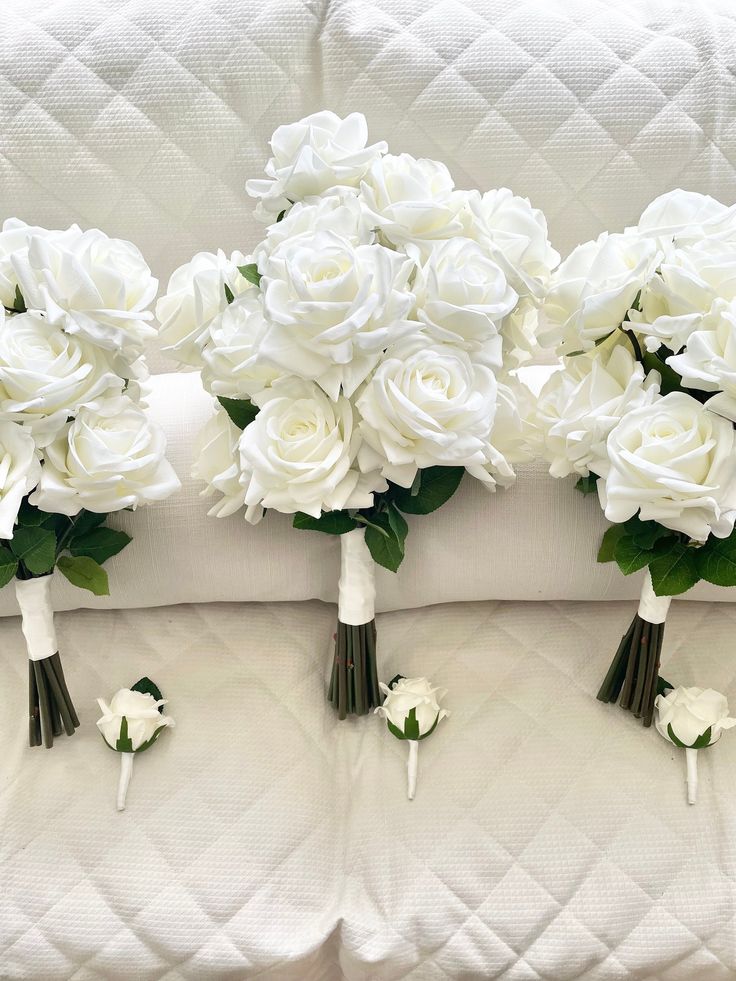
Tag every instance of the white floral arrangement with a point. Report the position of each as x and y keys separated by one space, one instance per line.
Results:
x=360 y=356
x=643 y=410
x=75 y=442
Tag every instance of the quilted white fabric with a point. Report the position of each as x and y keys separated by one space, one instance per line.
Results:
x=550 y=837
x=538 y=540
x=146 y=118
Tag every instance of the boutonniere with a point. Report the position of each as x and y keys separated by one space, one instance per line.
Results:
x=412 y=711
x=130 y=724
x=693 y=719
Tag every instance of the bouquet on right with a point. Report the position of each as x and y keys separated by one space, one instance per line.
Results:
x=643 y=410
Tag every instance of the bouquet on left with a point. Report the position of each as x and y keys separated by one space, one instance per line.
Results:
x=75 y=442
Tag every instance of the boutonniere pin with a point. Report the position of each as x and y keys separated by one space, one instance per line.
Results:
x=692 y=718
x=411 y=708
x=130 y=724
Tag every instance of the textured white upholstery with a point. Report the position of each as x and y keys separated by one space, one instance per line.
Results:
x=146 y=118
x=550 y=837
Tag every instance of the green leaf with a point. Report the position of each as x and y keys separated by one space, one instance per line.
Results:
x=716 y=560
x=397 y=523
x=671 y=381
x=124 y=743
x=673 y=737
x=395 y=680
x=609 y=541
x=587 y=485
x=148 y=687
x=31 y=517
x=411 y=726
x=436 y=486
x=35 y=547
x=85 y=521
x=280 y=216
x=631 y=557
x=674 y=569
x=387 y=549
x=99 y=544
x=19 y=304
x=703 y=739
x=84 y=572
x=229 y=295
x=241 y=411
x=663 y=685
x=331 y=522
x=251 y=273
x=647 y=533
x=8 y=565
x=394 y=730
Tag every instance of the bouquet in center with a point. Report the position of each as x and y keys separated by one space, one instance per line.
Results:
x=362 y=357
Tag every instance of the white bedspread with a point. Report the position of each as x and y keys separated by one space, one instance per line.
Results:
x=550 y=837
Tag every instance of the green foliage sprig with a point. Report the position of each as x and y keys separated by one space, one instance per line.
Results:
x=77 y=546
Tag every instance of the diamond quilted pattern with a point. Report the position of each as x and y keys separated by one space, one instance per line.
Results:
x=146 y=118
x=550 y=837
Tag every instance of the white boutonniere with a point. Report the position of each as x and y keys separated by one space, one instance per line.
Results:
x=131 y=723
x=412 y=711
x=692 y=718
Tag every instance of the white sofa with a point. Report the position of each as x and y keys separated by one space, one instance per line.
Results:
x=550 y=837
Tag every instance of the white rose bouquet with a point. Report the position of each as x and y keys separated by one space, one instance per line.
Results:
x=360 y=356
x=643 y=409
x=75 y=443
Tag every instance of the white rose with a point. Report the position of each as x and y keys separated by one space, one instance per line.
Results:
x=233 y=363
x=91 y=285
x=194 y=297
x=708 y=362
x=427 y=404
x=47 y=374
x=593 y=289
x=14 y=239
x=334 y=308
x=319 y=152
x=688 y=282
x=412 y=200
x=461 y=296
x=691 y=713
x=141 y=711
x=299 y=453
x=579 y=406
x=343 y=213
x=407 y=695
x=217 y=462
x=687 y=216
x=674 y=462
x=515 y=236
x=509 y=437
x=19 y=472
x=109 y=458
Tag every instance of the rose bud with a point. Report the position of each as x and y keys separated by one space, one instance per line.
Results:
x=692 y=718
x=412 y=710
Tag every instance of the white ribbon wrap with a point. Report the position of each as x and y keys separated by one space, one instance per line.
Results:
x=691 y=757
x=356 y=588
x=411 y=768
x=126 y=772
x=653 y=608
x=37 y=614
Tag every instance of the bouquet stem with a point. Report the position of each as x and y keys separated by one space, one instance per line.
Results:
x=50 y=708
x=634 y=672
x=353 y=688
